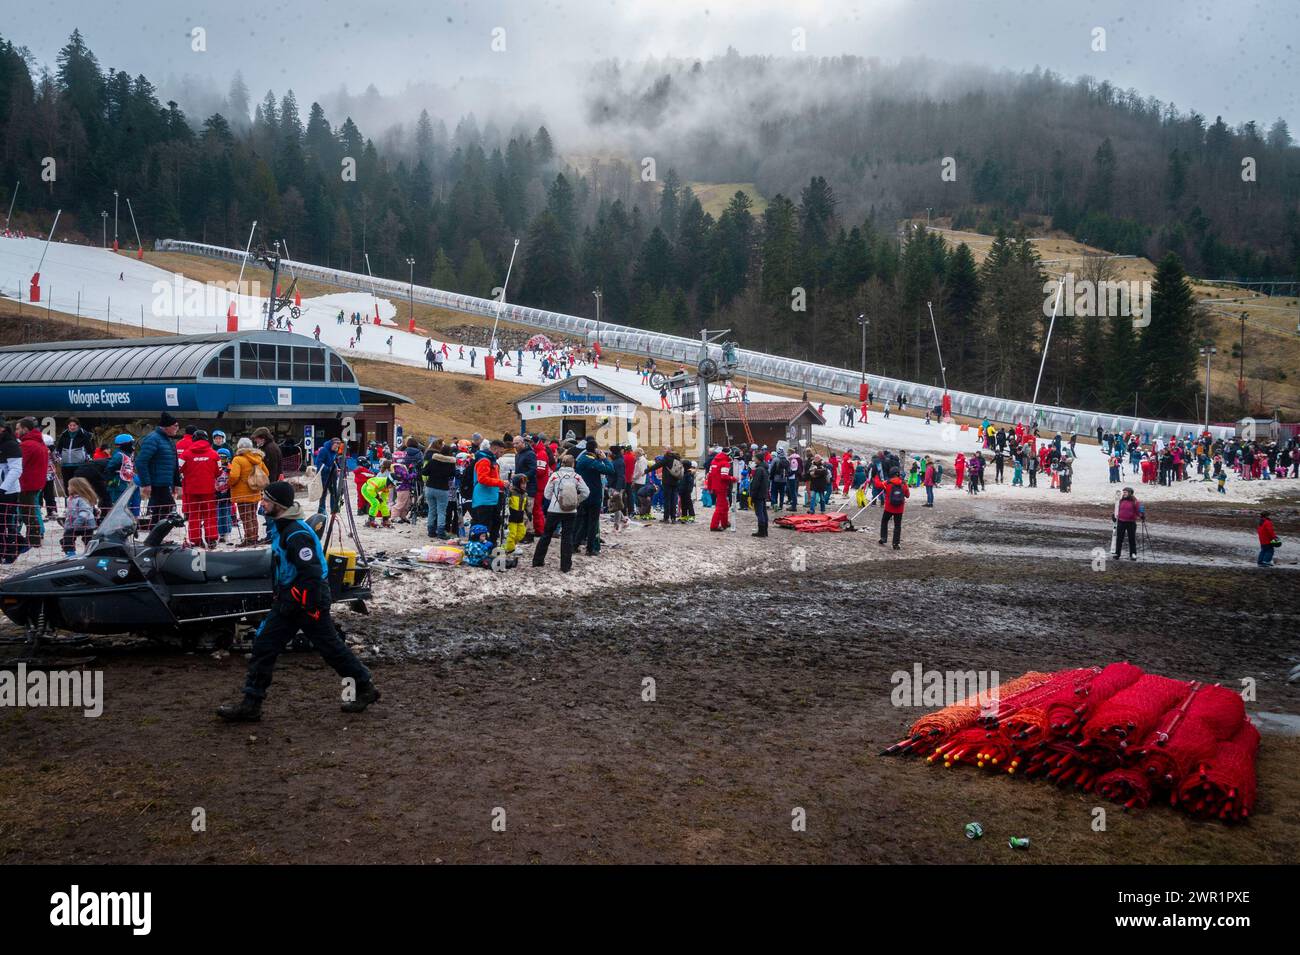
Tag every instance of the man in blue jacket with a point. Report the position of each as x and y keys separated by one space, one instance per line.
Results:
x=302 y=604
x=591 y=465
x=485 y=501
x=156 y=469
x=327 y=462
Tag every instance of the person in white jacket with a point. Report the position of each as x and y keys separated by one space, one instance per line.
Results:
x=11 y=472
x=564 y=494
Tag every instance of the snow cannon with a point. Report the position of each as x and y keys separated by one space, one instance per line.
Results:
x=35 y=294
x=232 y=318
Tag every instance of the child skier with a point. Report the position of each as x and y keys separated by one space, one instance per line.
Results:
x=614 y=501
x=222 y=497
x=686 y=494
x=517 y=508
x=79 y=521
x=375 y=493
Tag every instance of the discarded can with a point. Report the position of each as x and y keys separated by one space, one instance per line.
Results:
x=1016 y=842
x=974 y=830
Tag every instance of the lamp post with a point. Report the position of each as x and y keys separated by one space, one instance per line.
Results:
x=502 y=301
x=596 y=295
x=114 y=220
x=864 y=322
x=1207 y=351
x=411 y=264
x=103 y=217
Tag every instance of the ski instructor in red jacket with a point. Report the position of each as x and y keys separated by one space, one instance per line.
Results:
x=199 y=482
x=895 y=494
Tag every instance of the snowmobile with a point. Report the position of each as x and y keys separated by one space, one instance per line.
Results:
x=162 y=590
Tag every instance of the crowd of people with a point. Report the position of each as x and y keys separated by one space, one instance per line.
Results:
x=527 y=489
x=496 y=495
x=216 y=482
x=1168 y=461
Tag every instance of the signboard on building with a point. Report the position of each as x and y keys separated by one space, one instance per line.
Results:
x=576 y=409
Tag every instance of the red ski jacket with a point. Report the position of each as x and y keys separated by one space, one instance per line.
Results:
x=199 y=468
x=884 y=486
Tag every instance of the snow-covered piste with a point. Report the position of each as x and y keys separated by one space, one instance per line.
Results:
x=123 y=290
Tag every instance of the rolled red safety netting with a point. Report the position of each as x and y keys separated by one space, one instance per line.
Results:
x=1190 y=734
x=934 y=728
x=1128 y=717
x=1126 y=734
x=1225 y=786
x=962 y=747
x=1128 y=786
x=1009 y=699
x=1029 y=721
x=1064 y=716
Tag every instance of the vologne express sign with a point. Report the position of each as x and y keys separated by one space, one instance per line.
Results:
x=92 y=399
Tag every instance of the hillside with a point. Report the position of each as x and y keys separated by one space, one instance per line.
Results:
x=1271 y=330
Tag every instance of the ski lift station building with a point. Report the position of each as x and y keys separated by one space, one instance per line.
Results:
x=235 y=381
x=575 y=402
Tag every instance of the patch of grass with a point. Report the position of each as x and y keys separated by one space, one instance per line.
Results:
x=714 y=196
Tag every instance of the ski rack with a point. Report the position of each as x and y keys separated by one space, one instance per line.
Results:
x=345 y=501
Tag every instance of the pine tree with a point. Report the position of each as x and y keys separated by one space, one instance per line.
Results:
x=1168 y=346
x=1087 y=388
x=476 y=276
x=290 y=121
x=1101 y=187
x=654 y=269
x=542 y=146
x=549 y=272
x=1176 y=177
x=729 y=253
x=237 y=102
x=80 y=83
x=1122 y=381
x=692 y=241
x=560 y=204
x=780 y=253
x=444 y=273
x=961 y=302
x=852 y=263
x=669 y=204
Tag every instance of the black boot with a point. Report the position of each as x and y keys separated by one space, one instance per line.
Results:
x=367 y=693
x=247 y=710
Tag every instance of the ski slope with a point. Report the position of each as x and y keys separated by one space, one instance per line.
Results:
x=131 y=292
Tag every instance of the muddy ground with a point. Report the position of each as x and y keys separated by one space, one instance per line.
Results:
x=772 y=692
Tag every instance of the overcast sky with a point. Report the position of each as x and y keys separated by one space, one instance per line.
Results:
x=1238 y=59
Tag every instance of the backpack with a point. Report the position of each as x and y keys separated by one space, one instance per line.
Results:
x=897 y=495
x=566 y=493
x=676 y=469
x=259 y=477
x=126 y=471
